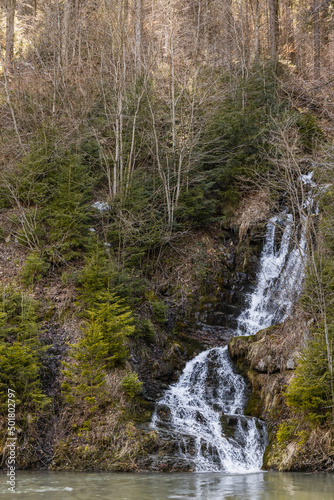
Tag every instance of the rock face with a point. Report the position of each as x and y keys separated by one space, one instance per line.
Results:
x=215 y=277
x=265 y=359
x=267 y=304
x=205 y=293
x=273 y=350
x=268 y=360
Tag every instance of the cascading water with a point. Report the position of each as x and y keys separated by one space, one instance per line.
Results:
x=204 y=410
x=278 y=281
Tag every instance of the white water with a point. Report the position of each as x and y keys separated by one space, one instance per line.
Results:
x=210 y=390
x=279 y=279
x=204 y=410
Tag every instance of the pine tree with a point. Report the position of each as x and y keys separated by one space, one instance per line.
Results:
x=68 y=214
x=101 y=348
x=84 y=374
x=18 y=317
x=19 y=370
x=310 y=389
x=116 y=323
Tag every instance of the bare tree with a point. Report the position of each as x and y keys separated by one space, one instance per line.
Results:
x=10 y=30
x=316 y=39
x=138 y=35
x=273 y=29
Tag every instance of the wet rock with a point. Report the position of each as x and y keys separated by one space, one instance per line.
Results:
x=163 y=412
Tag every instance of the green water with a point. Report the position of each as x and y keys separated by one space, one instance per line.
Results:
x=112 y=486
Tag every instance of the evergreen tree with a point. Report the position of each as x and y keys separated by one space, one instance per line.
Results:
x=19 y=370
x=310 y=389
x=101 y=348
x=84 y=374
x=101 y=273
x=68 y=214
x=18 y=317
x=116 y=323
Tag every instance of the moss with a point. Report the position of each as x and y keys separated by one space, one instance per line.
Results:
x=303 y=436
x=205 y=301
x=159 y=310
x=268 y=451
x=266 y=331
x=286 y=432
x=144 y=413
x=238 y=346
x=254 y=405
x=191 y=346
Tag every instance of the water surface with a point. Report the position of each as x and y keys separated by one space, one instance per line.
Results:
x=150 y=486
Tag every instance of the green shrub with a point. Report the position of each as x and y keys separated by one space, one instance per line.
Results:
x=310 y=133
x=19 y=319
x=19 y=370
x=68 y=277
x=34 y=269
x=67 y=215
x=145 y=329
x=310 y=389
x=285 y=432
x=101 y=273
x=131 y=385
x=20 y=354
x=159 y=310
x=52 y=189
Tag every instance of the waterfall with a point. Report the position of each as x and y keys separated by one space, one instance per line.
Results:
x=204 y=410
x=278 y=280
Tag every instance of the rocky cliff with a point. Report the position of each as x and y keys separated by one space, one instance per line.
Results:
x=268 y=360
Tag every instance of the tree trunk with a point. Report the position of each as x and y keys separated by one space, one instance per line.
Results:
x=230 y=33
x=65 y=37
x=244 y=37
x=10 y=21
x=256 y=15
x=273 y=29
x=291 y=34
x=138 y=35
x=316 y=39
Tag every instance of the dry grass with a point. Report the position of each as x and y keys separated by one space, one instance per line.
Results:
x=277 y=349
x=253 y=209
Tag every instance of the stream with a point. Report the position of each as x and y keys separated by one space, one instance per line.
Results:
x=158 y=486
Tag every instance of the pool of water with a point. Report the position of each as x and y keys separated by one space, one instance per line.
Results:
x=142 y=486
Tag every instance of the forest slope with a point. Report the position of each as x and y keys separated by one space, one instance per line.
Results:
x=143 y=147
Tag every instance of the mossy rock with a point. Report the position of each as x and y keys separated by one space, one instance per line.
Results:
x=239 y=347
x=191 y=346
x=227 y=426
x=254 y=405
